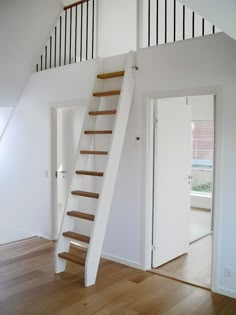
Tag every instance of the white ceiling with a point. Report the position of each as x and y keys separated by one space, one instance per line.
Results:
x=24 y=29
x=67 y=2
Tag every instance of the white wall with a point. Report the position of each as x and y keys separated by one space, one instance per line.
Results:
x=5 y=113
x=202 y=107
x=117 y=28
x=25 y=150
x=24 y=26
x=218 y=12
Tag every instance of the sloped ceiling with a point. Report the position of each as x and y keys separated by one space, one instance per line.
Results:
x=219 y=12
x=24 y=25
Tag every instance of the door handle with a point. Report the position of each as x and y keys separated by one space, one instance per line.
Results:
x=189 y=179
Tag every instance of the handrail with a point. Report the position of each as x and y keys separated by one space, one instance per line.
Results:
x=70 y=6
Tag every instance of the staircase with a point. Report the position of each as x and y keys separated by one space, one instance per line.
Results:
x=81 y=224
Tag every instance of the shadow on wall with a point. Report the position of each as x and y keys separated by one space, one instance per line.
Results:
x=5 y=114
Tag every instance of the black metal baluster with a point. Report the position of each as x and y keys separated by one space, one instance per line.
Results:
x=65 y=37
x=81 y=33
x=46 y=57
x=157 y=23
x=60 y=41
x=149 y=22
x=70 y=35
x=55 y=48
x=87 y=17
x=37 y=68
x=213 y=29
x=166 y=21
x=174 y=20
x=193 y=25
x=93 y=17
x=50 y=58
x=76 y=27
x=203 y=27
x=183 y=22
x=41 y=62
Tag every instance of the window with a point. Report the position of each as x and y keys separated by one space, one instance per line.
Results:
x=202 y=155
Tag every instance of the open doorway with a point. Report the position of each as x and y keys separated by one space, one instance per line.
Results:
x=183 y=172
x=66 y=130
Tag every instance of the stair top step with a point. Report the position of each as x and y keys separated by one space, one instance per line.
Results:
x=81 y=215
x=103 y=112
x=111 y=75
x=77 y=237
x=73 y=258
x=98 y=132
x=90 y=173
x=85 y=194
x=107 y=93
x=94 y=152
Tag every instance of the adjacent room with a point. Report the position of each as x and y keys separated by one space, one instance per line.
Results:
x=183 y=188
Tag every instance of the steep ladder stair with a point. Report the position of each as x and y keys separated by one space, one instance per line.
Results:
x=108 y=176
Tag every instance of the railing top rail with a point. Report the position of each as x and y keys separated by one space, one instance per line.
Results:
x=75 y=4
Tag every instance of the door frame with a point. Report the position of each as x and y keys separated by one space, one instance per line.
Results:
x=147 y=217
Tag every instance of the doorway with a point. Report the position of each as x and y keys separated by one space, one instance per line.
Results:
x=66 y=130
x=183 y=172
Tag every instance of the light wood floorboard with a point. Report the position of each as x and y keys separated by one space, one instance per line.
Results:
x=28 y=286
x=195 y=267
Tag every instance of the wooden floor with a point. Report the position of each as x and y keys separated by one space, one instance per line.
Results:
x=195 y=267
x=200 y=223
x=28 y=286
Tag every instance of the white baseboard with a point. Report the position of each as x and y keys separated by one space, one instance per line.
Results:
x=122 y=261
x=44 y=236
x=225 y=292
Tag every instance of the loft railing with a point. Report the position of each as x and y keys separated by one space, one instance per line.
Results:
x=73 y=39
x=166 y=21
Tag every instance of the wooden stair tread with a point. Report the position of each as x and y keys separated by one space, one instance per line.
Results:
x=94 y=152
x=73 y=258
x=90 y=173
x=85 y=194
x=81 y=215
x=107 y=93
x=77 y=237
x=98 y=132
x=111 y=75
x=103 y=112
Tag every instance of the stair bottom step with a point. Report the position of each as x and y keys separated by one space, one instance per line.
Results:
x=73 y=258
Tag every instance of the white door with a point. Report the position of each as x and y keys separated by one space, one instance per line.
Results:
x=69 y=124
x=172 y=168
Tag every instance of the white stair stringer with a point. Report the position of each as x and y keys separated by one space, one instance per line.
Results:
x=106 y=195
x=81 y=162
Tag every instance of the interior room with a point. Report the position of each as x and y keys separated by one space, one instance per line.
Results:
x=117 y=157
